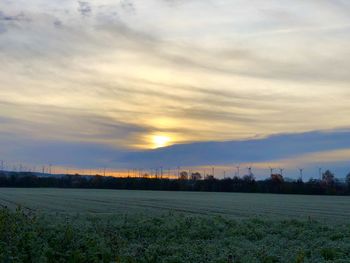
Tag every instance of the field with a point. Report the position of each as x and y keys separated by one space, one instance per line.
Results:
x=61 y=225
x=335 y=209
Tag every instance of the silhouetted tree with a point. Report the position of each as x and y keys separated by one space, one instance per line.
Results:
x=183 y=175
x=275 y=184
x=209 y=177
x=347 y=180
x=277 y=178
x=248 y=178
x=328 y=177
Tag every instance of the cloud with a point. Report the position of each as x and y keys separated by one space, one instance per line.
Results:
x=270 y=149
x=193 y=70
x=2 y=29
x=128 y=6
x=13 y=18
x=65 y=124
x=35 y=152
x=7 y=21
x=84 y=8
x=57 y=23
x=311 y=150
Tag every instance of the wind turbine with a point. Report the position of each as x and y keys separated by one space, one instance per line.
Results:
x=250 y=170
x=281 y=171
x=301 y=170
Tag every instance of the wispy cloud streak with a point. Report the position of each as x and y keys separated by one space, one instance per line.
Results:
x=116 y=73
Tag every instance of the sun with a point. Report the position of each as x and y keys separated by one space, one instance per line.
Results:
x=159 y=141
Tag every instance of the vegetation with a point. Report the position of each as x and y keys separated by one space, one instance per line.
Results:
x=329 y=185
x=28 y=237
x=93 y=225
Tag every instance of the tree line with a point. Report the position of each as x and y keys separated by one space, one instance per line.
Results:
x=327 y=185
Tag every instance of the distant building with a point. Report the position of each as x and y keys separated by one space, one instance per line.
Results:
x=196 y=176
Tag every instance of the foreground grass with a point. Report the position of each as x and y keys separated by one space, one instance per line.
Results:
x=168 y=238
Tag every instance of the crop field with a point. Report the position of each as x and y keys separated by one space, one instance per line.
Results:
x=234 y=205
x=71 y=225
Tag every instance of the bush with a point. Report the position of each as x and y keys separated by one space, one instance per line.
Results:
x=27 y=237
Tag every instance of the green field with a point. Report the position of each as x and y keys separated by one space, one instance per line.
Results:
x=61 y=225
x=235 y=205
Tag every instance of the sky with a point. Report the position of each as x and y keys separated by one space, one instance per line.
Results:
x=105 y=83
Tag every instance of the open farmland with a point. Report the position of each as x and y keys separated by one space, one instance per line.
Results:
x=71 y=225
x=234 y=205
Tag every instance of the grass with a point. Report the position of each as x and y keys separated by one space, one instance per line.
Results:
x=56 y=225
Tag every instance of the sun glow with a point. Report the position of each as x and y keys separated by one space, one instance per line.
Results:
x=159 y=141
